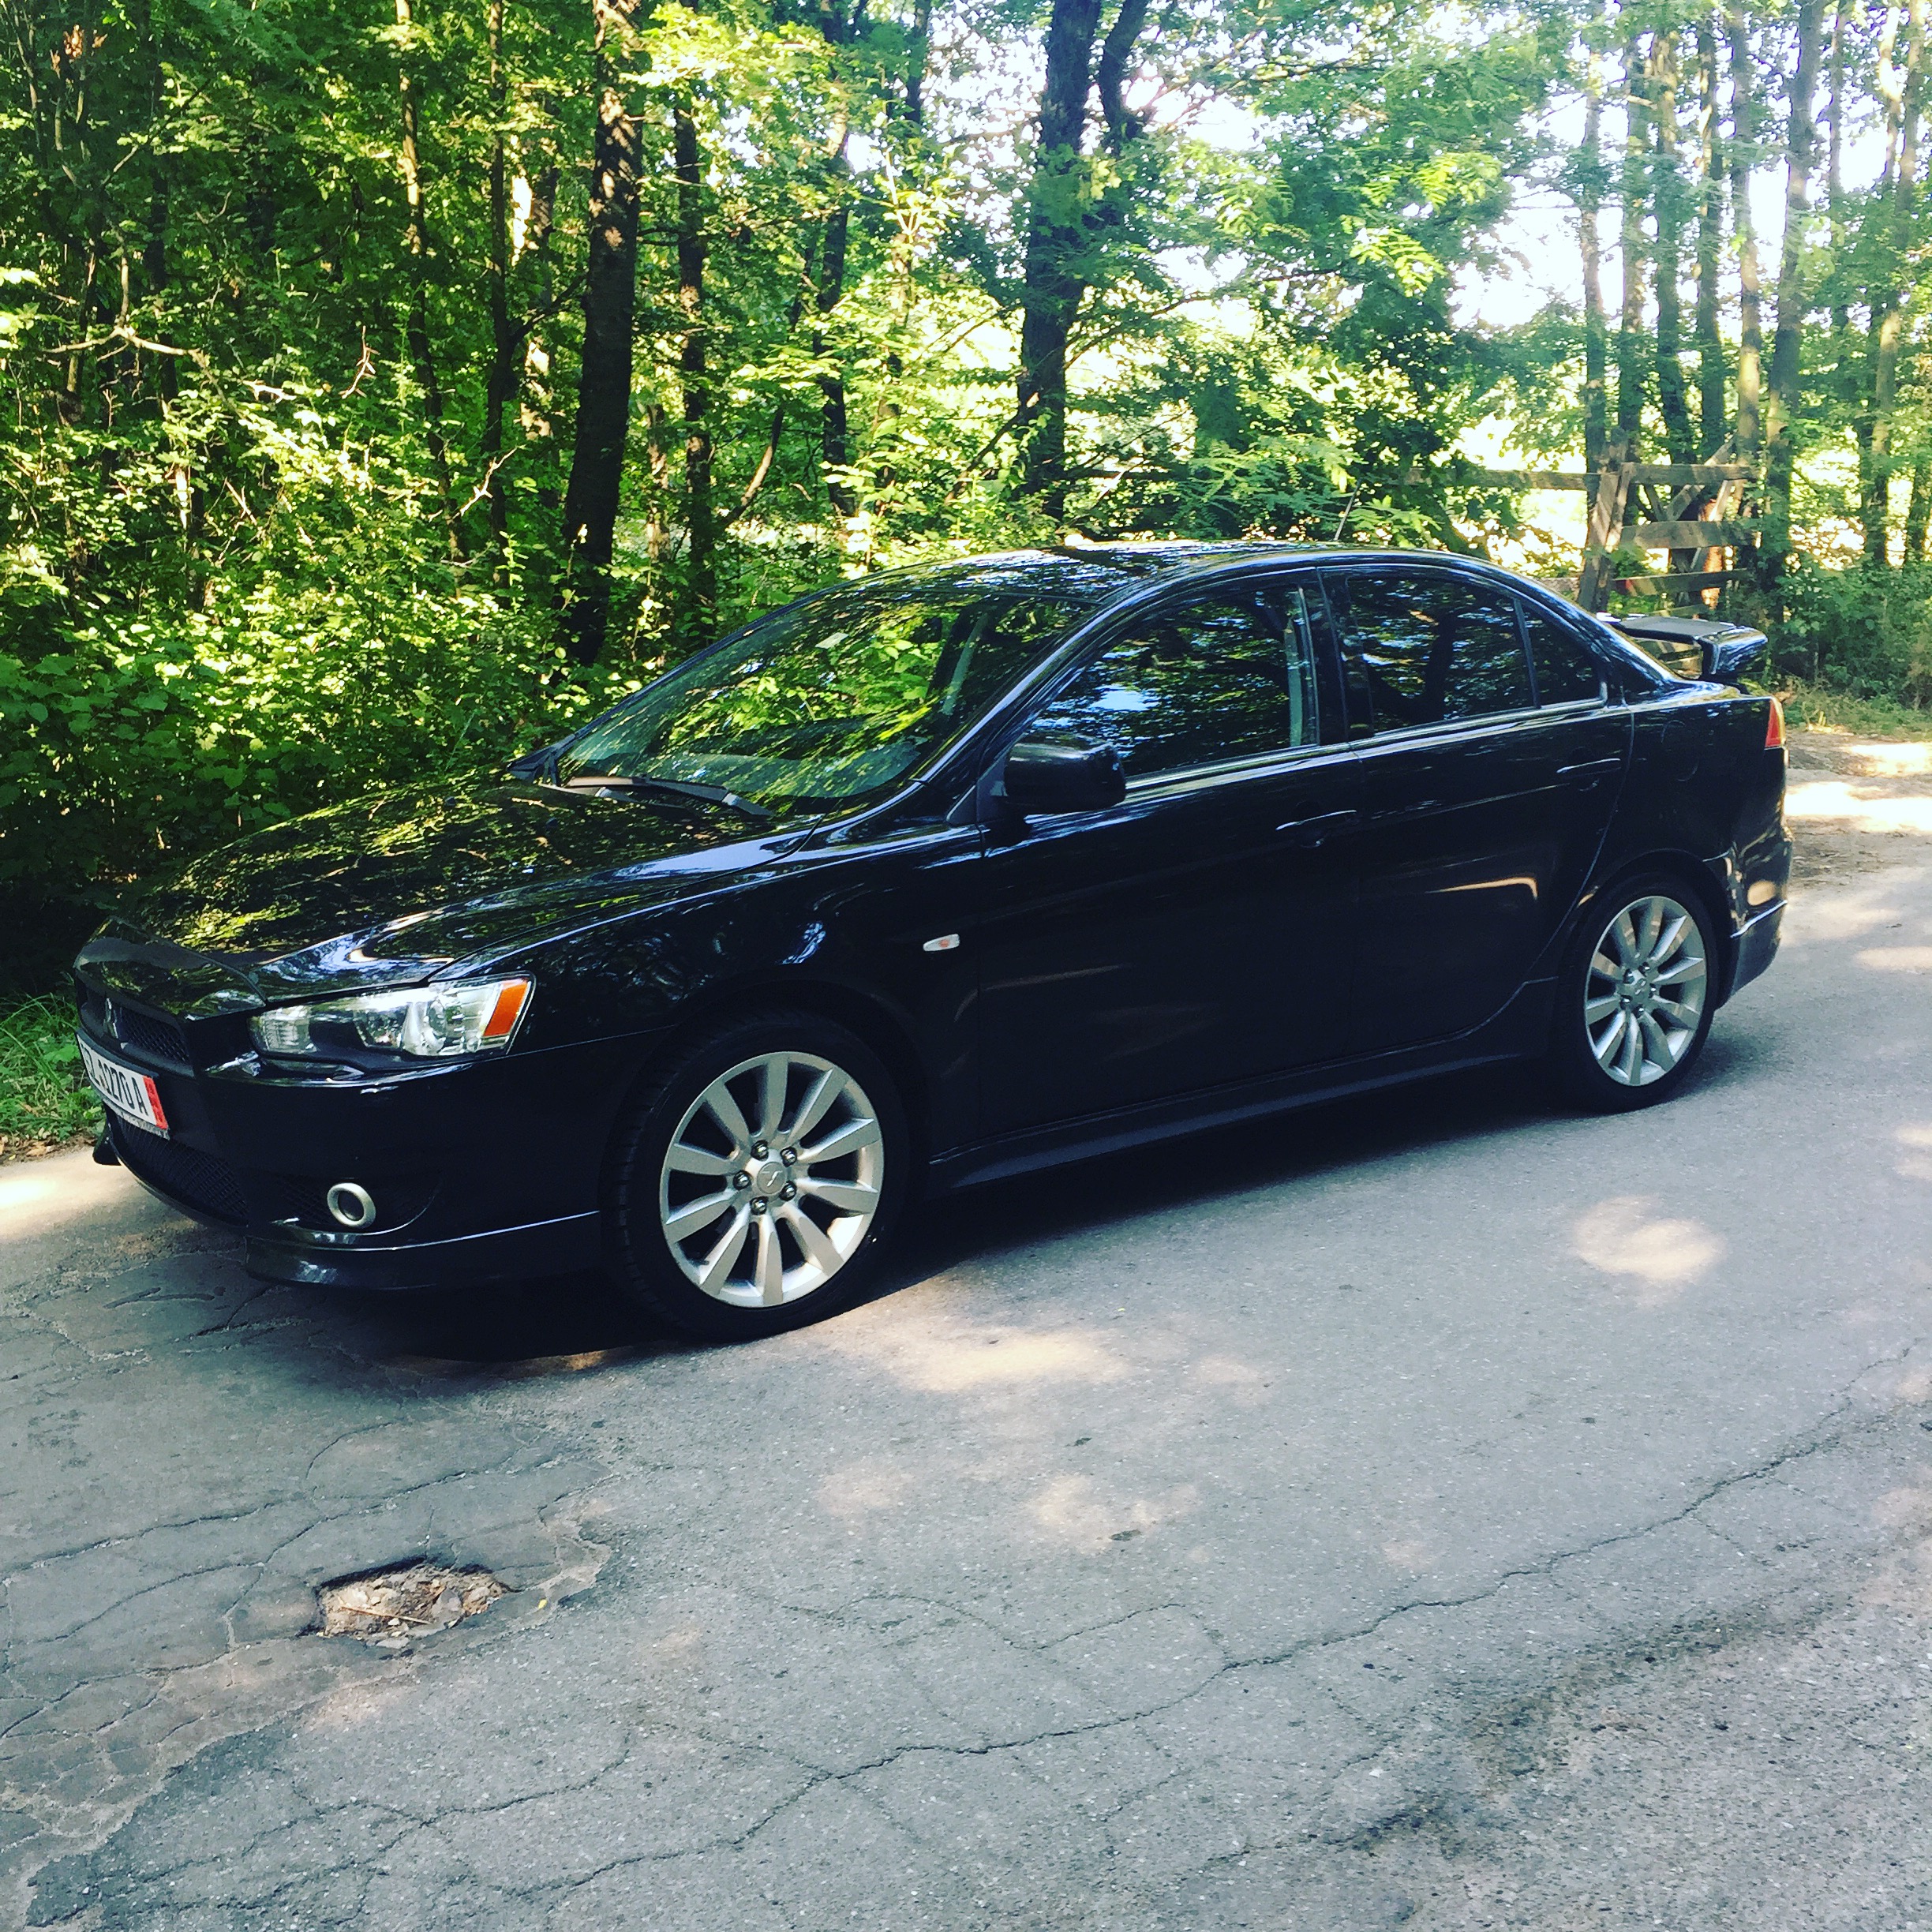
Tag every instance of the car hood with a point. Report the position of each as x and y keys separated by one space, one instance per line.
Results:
x=401 y=884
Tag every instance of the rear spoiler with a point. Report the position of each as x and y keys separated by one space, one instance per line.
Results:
x=1706 y=648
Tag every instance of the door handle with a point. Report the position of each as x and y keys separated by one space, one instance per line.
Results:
x=1591 y=773
x=1311 y=832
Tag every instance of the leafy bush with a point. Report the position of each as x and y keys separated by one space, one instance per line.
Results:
x=1814 y=707
x=1859 y=634
x=44 y=1098
x=139 y=741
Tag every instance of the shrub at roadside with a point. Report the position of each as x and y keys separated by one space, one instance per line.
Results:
x=44 y=1097
x=134 y=744
x=1859 y=634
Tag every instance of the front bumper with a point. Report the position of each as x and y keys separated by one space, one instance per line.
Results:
x=480 y=1171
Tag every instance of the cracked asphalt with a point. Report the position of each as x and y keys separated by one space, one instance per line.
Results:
x=1432 y=1510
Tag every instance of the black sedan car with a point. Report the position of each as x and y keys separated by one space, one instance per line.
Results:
x=938 y=877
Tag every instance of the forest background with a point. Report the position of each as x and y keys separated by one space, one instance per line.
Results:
x=385 y=383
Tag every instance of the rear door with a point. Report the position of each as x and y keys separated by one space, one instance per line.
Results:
x=1198 y=934
x=1482 y=808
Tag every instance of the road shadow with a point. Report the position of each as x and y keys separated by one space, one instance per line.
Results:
x=578 y=1323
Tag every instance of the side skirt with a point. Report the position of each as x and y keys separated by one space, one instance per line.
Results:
x=1518 y=1032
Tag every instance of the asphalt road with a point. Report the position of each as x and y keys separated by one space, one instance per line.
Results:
x=1434 y=1511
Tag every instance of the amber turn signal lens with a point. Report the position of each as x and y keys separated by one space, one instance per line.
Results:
x=1774 y=728
x=504 y=1014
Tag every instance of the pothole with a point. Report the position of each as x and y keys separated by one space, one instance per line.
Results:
x=388 y=1608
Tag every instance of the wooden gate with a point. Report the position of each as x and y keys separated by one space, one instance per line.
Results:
x=1635 y=506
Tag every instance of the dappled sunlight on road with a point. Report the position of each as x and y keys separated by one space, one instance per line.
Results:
x=859 y=1489
x=1904 y=1580
x=929 y=1349
x=1622 y=1236
x=1906 y=959
x=1909 y=760
x=1241 y=1382
x=1850 y=808
x=1413 y=1556
x=1077 y=1511
x=1847 y=913
x=19 y=1191
x=1916 y=1164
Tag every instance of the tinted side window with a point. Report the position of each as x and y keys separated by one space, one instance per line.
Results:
x=1426 y=648
x=1226 y=678
x=1565 y=670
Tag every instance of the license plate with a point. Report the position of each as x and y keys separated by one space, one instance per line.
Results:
x=132 y=1095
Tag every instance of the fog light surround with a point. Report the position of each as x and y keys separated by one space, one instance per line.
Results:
x=351 y=1204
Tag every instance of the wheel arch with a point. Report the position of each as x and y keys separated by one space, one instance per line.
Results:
x=871 y=1019
x=1687 y=869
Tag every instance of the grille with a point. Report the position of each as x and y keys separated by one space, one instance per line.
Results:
x=199 y=1180
x=146 y=1033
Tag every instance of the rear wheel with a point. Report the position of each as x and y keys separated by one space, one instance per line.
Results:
x=1635 y=997
x=754 y=1186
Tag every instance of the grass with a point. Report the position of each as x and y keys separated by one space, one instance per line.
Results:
x=45 y=1100
x=1818 y=709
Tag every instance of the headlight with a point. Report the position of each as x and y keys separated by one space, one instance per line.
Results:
x=426 y=1022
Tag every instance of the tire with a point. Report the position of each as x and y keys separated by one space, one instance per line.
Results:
x=1635 y=996
x=728 y=1243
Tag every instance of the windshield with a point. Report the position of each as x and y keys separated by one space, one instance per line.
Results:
x=830 y=702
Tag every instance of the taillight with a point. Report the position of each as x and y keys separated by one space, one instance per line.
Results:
x=1774 y=726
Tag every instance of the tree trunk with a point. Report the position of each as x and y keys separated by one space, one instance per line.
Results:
x=500 y=384
x=918 y=55
x=1743 y=159
x=1589 y=207
x=1110 y=76
x=1667 y=198
x=1834 y=195
x=698 y=617
x=534 y=389
x=1919 y=510
x=1711 y=423
x=416 y=329
x=834 y=425
x=591 y=498
x=1052 y=285
x=1887 y=312
x=1632 y=358
x=1781 y=398
x=1889 y=94
x=834 y=429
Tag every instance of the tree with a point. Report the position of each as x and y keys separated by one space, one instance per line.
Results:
x=610 y=310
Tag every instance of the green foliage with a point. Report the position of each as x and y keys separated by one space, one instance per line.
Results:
x=1860 y=634
x=1816 y=709
x=292 y=329
x=44 y=1096
x=132 y=745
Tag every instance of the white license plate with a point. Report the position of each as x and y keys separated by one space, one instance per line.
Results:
x=132 y=1095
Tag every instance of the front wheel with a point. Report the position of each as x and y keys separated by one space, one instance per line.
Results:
x=755 y=1184
x=1635 y=997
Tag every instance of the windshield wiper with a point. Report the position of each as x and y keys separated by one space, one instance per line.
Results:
x=709 y=794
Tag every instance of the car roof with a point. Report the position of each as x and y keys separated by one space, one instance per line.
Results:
x=1094 y=574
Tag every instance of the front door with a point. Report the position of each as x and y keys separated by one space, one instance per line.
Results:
x=1483 y=809
x=1198 y=934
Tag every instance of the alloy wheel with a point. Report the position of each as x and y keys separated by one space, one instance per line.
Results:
x=1644 y=996
x=772 y=1180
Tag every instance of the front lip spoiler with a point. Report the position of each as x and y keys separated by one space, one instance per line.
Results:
x=561 y=1246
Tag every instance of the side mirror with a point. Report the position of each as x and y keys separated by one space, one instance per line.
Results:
x=1727 y=659
x=1042 y=777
